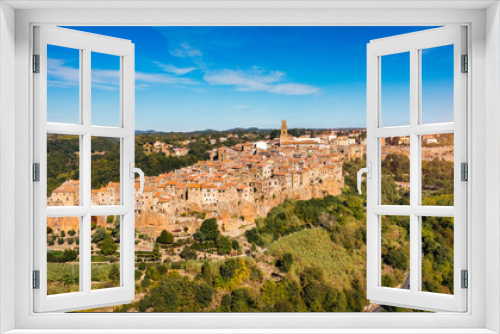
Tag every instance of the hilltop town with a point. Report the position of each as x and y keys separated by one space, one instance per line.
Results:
x=235 y=185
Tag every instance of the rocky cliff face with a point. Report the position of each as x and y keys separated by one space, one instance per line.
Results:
x=228 y=214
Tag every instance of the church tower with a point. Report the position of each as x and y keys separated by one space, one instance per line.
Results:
x=284 y=131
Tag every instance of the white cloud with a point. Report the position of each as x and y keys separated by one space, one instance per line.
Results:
x=60 y=75
x=185 y=50
x=174 y=69
x=294 y=89
x=162 y=79
x=241 y=107
x=253 y=80
x=63 y=76
x=258 y=79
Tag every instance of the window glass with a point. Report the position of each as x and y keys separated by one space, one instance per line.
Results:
x=437 y=84
x=105 y=173
x=395 y=251
x=395 y=181
x=63 y=85
x=63 y=170
x=63 y=243
x=437 y=169
x=105 y=248
x=437 y=254
x=105 y=90
x=395 y=89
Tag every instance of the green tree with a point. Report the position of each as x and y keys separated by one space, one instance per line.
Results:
x=204 y=294
x=188 y=254
x=72 y=232
x=286 y=262
x=99 y=235
x=114 y=273
x=209 y=230
x=108 y=246
x=223 y=246
x=165 y=238
x=156 y=253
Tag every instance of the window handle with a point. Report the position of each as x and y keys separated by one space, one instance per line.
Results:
x=134 y=170
x=368 y=171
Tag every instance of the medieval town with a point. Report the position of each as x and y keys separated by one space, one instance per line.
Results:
x=237 y=185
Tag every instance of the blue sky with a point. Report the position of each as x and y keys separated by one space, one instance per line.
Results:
x=195 y=78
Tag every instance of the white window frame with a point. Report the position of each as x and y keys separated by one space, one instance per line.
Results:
x=484 y=48
x=413 y=43
x=86 y=44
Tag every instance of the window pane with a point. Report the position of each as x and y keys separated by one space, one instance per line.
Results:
x=63 y=270
x=395 y=89
x=395 y=179
x=105 y=171
x=63 y=174
x=437 y=169
x=437 y=249
x=395 y=251
x=105 y=252
x=63 y=85
x=105 y=90
x=437 y=84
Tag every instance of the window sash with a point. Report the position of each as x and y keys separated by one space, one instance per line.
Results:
x=413 y=43
x=86 y=43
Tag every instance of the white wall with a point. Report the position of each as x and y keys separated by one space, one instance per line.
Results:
x=492 y=164
x=7 y=160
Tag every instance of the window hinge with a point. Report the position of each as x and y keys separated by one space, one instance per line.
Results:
x=36 y=63
x=465 y=279
x=36 y=279
x=464 y=171
x=465 y=64
x=36 y=172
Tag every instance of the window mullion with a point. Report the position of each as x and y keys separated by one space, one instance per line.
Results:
x=415 y=248
x=85 y=172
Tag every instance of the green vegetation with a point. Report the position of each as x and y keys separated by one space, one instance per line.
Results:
x=304 y=256
x=165 y=238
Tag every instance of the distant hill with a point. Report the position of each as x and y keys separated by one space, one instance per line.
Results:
x=239 y=129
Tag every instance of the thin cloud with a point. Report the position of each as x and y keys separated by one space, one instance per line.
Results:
x=258 y=79
x=294 y=89
x=174 y=69
x=241 y=107
x=186 y=51
x=63 y=76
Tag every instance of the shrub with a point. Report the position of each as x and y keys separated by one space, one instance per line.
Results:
x=114 y=273
x=203 y=294
x=209 y=230
x=99 y=235
x=223 y=246
x=285 y=263
x=108 y=246
x=63 y=234
x=71 y=241
x=49 y=230
x=165 y=238
x=60 y=241
x=72 y=233
x=146 y=282
x=142 y=266
x=188 y=254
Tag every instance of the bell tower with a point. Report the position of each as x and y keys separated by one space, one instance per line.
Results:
x=284 y=131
